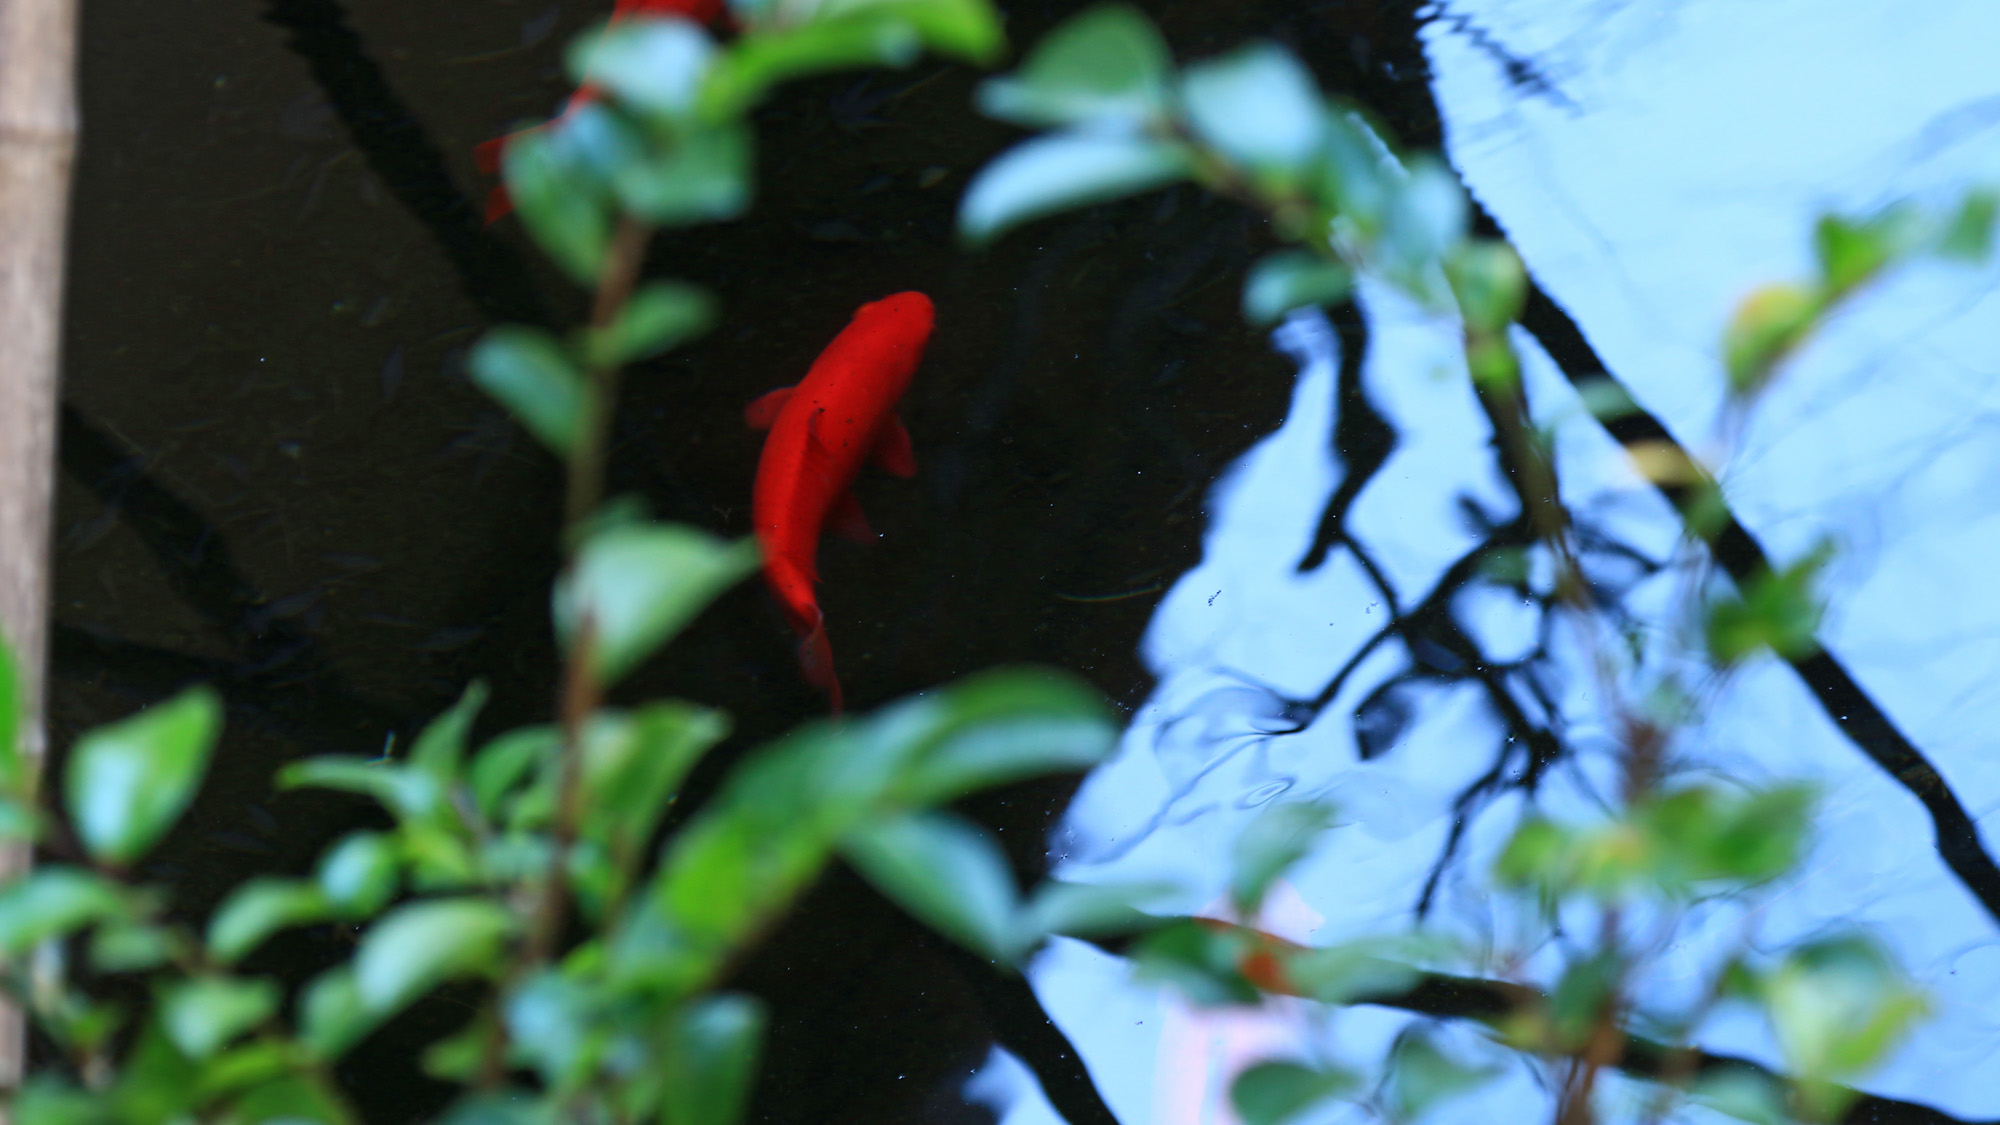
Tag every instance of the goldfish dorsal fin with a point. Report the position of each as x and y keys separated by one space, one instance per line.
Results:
x=764 y=409
x=845 y=520
x=892 y=452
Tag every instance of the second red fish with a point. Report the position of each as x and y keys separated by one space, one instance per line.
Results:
x=841 y=414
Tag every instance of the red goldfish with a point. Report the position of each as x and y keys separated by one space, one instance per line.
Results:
x=842 y=413
x=489 y=154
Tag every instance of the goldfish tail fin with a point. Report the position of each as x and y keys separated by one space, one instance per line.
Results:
x=816 y=661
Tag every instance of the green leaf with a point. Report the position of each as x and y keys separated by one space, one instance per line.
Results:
x=1272 y=1093
x=530 y=374
x=128 y=782
x=756 y=63
x=701 y=175
x=1780 y=612
x=418 y=946
x=661 y=316
x=948 y=872
x=640 y=585
x=258 y=909
x=655 y=66
x=1355 y=179
x=204 y=1014
x=1744 y=1094
x=1202 y=962
x=1968 y=234
x=1090 y=909
x=1839 y=1005
x=1767 y=325
x=499 y=1107
x=1422 y=1074
x=633 y=765
x=503 y=763
x=1427 y=217
x=711 y=1057
x=51 y=902
x=1270 y=845
x=551 y=1020
x=561 y=200
x=1062 y=170
x=47 y=1100
x=292 y=1099
x=994 y=728
x=1293 y=279
x=1104 y=66
x=441 y=746
x=1259 y=108
x=358 y=875
x=129 y=947
x=1490 y=284
x=1582 y=997
x=332 y=1017
x=408 y=793
x=1340 y=974
x=1851 y=252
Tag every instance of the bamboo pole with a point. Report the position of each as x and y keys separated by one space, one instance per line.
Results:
x=37 y=148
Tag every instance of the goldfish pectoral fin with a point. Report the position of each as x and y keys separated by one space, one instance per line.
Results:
x=764 y=409
x=816 y=661
x=893 y=452
x=845 y=520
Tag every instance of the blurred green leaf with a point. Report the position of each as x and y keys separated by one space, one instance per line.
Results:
x=1354 y=179
x=948 y=872
x=420 y=945
x=993 y=728
x=258 y=909
x=290 y=1099
x=1766 y=326
x=1062 y=170
x=1339 y=974
x=551 y=1022
x=530 y=374
x=1702 y=835
x=702 y=174
x=1838 y=1006
x=1422 y=1074
x=48 y=1100
x=1272 y=1093
x=640 y=585
x=358 y=875
x=408 y=793
x=1583 y=996
x=1851 y=252
x=1107 y=65
x=332 y=1017
x=968 y=30
x=129 y=946
x=50 y=902
x=1968 y=234
x=564 y=205
x=157 y=1082
x=1538 y=856
x=1779 y=612
x=1293 y=279
x=1744 y=1094
x=655 y=66
x=502 y=764
x=1259 y=108
x=1427 y=216
x=743 y=76
x=632 y=767
x=711 y=1057
x=1268 y=847
x=204 y=1014
x=661 y=316
x=1200 y=961
x=441 y=747
x=1490 y=283
x=1090 y=909
x=256 y=1062
x=499 y=1107
x=128 y=782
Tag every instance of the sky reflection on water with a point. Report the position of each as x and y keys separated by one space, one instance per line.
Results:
x=1652 y=162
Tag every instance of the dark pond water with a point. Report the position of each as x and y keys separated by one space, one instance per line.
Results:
x=277 y=479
